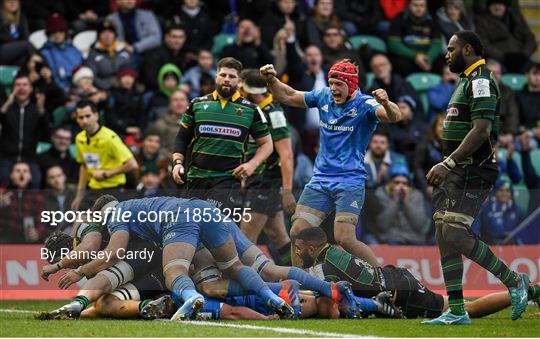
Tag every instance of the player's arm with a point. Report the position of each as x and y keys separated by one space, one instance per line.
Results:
x=473 y=140
x=388 y=111
x=126 y=167
x=283 y=93
x=181 y=143
x=264 y=149
x=284 y=150
x=119 y=240
x=242 y=313
x=90 y=243
x=81 y=187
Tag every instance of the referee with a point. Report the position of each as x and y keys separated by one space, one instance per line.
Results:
x=216 y=127
x=465 y=177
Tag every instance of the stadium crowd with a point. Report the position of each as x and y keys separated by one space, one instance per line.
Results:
x=150 y=58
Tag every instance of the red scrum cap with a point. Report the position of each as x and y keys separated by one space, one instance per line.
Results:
x=347 y=72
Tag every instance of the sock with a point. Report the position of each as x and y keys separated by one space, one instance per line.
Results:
x=183 y=288
x=234 y=289
x=367 y=305
x=251 y=281
x=534 y=292
x=144 y=303
x=275 y=287
x=310 y=283
x=285 y=254
x=482 y=255
x=452 y=267
x=81 y=300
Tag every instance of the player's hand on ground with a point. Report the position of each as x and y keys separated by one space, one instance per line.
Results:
x=47 y=270
x=244 y=171
x=288 y=201
x=381 y=96
x=437 y=174
x=177 y=172
x=268 y=72
x=69 y=279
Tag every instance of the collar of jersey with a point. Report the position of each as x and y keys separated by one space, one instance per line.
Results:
x=473 y=67
x=266 y=101
x=223 y=102
x=88 y=137
x=319 y=255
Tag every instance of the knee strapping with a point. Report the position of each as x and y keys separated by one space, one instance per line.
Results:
x=223 y=265
x=260 y=263
x=127 y=292
x=177 y=262
x=118 y=274
x=346 y=219
x=458 y=219
x=207 y=274
x=310 y=218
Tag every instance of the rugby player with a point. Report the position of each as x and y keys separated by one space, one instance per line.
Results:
x=348 y=119
x=330 y=262
x=465 y=177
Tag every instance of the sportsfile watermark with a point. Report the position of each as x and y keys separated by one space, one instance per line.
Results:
x=119 y=215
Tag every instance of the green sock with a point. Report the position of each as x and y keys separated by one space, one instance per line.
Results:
x=482 y=255
x=144 y=303
x=452 y=267
x=82 y=300
x=534 y=292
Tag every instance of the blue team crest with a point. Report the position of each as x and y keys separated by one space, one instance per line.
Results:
x=352 y=113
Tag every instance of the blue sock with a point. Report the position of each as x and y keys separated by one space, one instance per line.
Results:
x=182 y=288
x=251 y=281
x=310 y=283
x=367 y=305
x=234 y=289
x=275 y=287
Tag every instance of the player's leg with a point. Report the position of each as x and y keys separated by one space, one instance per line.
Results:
x=255 y=204
x=243 y=313
x=304 y=217
x=276 y=232
x=253 y=228
x=110 y=306
x=90 y=313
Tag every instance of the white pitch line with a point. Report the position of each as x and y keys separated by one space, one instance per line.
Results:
x=7 y=310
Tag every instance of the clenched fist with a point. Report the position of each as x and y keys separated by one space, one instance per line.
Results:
x=381 y=96
x=268 y=73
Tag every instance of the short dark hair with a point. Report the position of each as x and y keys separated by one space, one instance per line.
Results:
x=381 y=130
x=230 y=63
x=253 y=78
x=174 y=26
x=315 y=235
x=102 y=201
x=471 y=38
x=87 y=103
x=533 y=67
x=22 y=74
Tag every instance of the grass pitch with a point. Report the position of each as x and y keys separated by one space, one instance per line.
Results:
x=17 y=320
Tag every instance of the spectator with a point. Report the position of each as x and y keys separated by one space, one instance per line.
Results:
x=452 y=18
x=506 y=36
x=103 y=157
x=205 y=64
x=125 y=114
x=281 y=12
x=169 y=79
x=150 y=183
x=172 y=51
x=508 y=167
x=200 y=29
x=279 y=48
x=39 y=11
x=415 y=41
x=107 y=56
x=168 y=125
x=40 y=76
x=83 y=89
x=59 y=155
x=529 y=98
x=58 y=196
x=428 y=153
x=24 y=122
x=379 y=158
x=322 y=17
x=499 y=215
x=138 y=28
x=404 y=219
x=149 y=156
x=60 y=54
x=335 y=49
x=508 y=106
x=20 y=208
x=406 y=133
x=390 y=9
x=391 y=82
x=360 y=16
x=84 y=15
x=14 y=45
x=440 y=94
x=248 y=48
x=207 y=84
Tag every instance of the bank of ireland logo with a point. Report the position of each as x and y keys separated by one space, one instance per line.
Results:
x=332 y=121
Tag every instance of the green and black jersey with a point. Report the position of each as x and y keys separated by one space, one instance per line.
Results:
x=279 y=129
x=86 y=228
x=217 y=131
x=335 y=264
x=476 y=97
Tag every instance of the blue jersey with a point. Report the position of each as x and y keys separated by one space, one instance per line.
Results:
x=345 y=132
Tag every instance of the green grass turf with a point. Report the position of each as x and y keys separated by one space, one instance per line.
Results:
x=14 y=324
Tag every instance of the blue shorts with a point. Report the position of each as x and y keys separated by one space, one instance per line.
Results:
x=327 y=196
x=211 y=309
x=212 y=232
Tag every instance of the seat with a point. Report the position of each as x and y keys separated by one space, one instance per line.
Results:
x=38 y=38
x=42 y=147
x=73 y=151
x=220 y=41
x=370 y=77
x=84 y=40
x=7 y=74
x=421 y=82
x=59 y=116
x=374 y=42
x=515 y=81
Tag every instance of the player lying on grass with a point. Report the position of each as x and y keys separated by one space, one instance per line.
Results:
x=330 y=262
x=179 y=239
x=207 y=278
